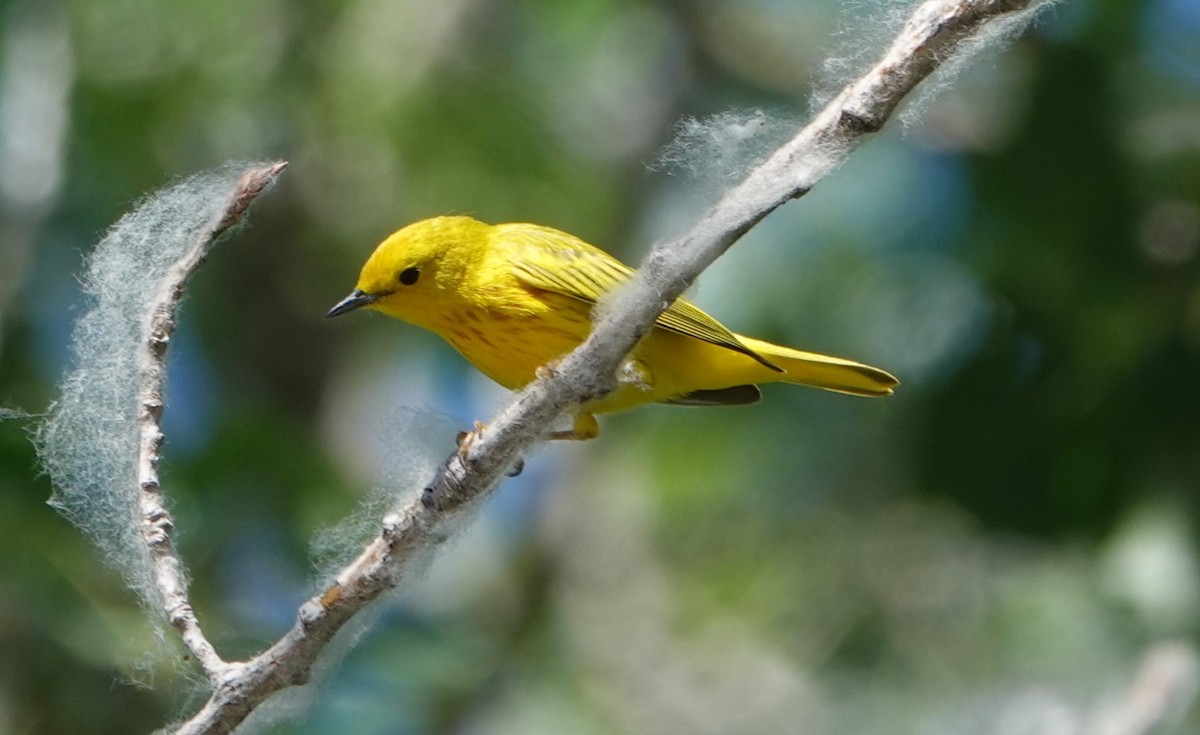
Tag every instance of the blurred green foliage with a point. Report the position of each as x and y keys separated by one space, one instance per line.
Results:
x=1004 y=537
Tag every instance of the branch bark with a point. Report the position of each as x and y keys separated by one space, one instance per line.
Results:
x=170 y=575
x=933 y=32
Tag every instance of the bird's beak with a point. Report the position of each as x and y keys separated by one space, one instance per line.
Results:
x=356 y=299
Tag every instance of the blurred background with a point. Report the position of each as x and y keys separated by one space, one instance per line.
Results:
x=993 y=550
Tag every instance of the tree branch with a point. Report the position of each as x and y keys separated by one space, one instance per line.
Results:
x=169 y=574
x=933 y=32
x=1164 y=685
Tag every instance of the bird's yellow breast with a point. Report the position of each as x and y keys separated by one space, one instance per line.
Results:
x=508 y=340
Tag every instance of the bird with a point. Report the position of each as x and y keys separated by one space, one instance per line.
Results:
x=514 y=298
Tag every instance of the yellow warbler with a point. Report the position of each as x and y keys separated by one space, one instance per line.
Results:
x=514 y=297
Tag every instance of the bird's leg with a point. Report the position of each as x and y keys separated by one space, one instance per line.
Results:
x=466 y=438
x=547 y=371
x=586 y=427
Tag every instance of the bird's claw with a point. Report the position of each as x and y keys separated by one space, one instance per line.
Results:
x=516 y=468
x=547 y=371
x=465 y=439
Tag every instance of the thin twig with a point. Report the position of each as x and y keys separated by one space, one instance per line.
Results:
x=1164 y=686
x=935 y=29
x=170 y=576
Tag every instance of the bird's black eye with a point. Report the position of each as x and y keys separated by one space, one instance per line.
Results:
x=409 y=276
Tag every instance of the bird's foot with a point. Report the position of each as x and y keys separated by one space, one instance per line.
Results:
x=547 y=371
x=586 y=427
x=466 y=438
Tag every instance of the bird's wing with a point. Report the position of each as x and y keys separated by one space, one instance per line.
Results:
x=554 y=261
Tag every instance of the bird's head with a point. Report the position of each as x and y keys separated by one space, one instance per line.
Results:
x=417 y=268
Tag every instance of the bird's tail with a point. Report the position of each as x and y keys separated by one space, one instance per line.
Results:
x=823 y=371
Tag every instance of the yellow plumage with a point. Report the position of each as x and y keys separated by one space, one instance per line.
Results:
x=513 y=297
